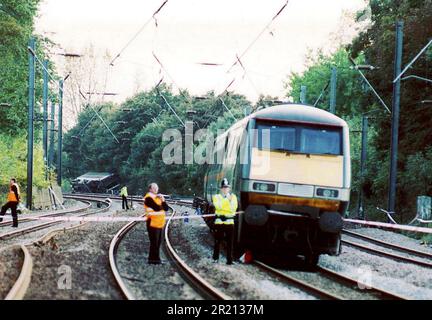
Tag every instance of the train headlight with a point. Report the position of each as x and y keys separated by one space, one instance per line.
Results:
x=327 y=193
x=264 y=187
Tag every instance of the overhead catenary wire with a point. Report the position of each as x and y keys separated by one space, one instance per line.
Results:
x=99 y=116
x=412 y=61
x=153 y=17
x=369 y=84
x=223 y=103
x=247 y=75
x=172 y=109
x=322 y=93
x=259 y=35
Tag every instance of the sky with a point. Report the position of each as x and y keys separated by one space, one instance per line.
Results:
x=190 y=32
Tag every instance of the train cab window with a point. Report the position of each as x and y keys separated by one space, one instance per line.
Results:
x=320 y=141
x=298 y=138
x=282 y=138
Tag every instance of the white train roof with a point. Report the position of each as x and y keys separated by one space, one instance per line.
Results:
x=299 y=113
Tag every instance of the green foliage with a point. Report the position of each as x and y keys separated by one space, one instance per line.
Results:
x=16 y=28
x=139 y=125
x=350 y=87
x=13 y=164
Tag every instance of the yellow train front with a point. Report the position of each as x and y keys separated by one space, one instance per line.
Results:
x=290 y=167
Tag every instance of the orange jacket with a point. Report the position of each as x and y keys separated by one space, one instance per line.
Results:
x=157 y=218
x=11 y=195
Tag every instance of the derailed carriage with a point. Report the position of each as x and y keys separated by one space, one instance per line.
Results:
x=290 y=168
x=96 y=182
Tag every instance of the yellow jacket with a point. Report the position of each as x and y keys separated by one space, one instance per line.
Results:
x=123 y=192
x=225 y=208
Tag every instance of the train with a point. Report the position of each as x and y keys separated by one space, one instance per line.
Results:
x=290 y=167
x=97 y=182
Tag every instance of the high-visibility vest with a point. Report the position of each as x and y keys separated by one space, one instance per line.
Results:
x=157 y=218
x=225 y=209
x=123 y=192
x=11 y=195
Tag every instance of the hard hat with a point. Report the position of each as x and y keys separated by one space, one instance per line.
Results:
x=225 y=183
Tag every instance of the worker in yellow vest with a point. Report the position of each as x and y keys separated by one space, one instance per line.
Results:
x=124 y=195
x=155 y=208
x=225 y=205
x=13 y=199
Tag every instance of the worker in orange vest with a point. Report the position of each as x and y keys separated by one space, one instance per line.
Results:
x=155 y=208
x=13 y=199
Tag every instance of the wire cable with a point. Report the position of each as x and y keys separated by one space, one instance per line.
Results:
x=152 y=18
x=259 y=35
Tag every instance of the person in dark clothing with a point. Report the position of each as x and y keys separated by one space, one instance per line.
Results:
x=13 y=199
x=155 y=207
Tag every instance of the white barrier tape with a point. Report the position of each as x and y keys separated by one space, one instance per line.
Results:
x=391 y=226
x=112 y=219
x=423 y=221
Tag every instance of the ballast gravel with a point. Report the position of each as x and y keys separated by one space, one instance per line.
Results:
x=194 y=244
x=145 y=281
x=11 y=260
x=75 y=264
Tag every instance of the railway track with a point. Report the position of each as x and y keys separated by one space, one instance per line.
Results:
x=349 y=283
x=192 y=277
x=386 y=254
x=39 y=226
x=115 y=242
x=389 y=245
x=205 y=289
x=21 y=285
x=29 y=218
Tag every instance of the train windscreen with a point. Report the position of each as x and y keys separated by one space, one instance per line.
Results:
x=299 y=139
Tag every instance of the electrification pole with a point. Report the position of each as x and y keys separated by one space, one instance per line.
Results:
x=52 y=130
x=333 y=91
x=45 y=117
x=360 y=208
x=31 y=102
x=60 y=132
x=395 y=119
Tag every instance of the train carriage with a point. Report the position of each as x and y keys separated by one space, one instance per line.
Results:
x=289 y=166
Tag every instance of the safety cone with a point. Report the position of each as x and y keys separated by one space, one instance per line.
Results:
x=246 y=257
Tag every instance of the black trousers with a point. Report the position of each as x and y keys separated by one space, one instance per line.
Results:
x=224 y=232
x=155 y=236
x=124 y=203
x=13 y=206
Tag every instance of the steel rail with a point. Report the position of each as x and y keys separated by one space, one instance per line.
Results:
x=385 y=294
x=387 y=254
x=21 y=284
x=388 y=244
x=37 y=227
x=20 y=287
x=48 y=214
x=115 y=242
x=307 y=287
x=193 y=278
x=329 y=273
